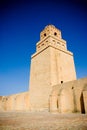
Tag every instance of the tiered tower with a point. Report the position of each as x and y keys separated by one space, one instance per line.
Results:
x=52 y=64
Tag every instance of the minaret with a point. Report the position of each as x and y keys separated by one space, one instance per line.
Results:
x=52 y=64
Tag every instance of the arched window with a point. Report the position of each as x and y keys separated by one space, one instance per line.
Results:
x=61 y=82
x=55 y=33
x=44 y=34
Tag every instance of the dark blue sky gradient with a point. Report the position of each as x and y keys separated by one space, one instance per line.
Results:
x=21 y=22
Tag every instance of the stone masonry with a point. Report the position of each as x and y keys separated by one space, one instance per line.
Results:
x=51 y=64
x=53 y=85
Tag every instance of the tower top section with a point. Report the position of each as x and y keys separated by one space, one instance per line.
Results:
x=52 y=31
x=50 y=37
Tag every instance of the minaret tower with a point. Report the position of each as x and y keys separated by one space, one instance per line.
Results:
x=52 y=64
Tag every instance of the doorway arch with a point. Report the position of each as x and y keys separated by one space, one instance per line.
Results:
x=82 y=104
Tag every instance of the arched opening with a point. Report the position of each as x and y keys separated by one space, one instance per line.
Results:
x=72 y=87
x=53 y=103
x=44 y=34
x=55 y=33
x=82 y=104
x=61 y=82
x=57 y=104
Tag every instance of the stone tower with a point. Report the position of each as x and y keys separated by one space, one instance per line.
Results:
x=51 y=64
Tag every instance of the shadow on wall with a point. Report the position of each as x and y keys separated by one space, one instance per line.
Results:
x=82 y=104
x=82 y=100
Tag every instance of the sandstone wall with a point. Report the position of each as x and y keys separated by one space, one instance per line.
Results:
x=62 y=66
x=15 y=102
x=40 y=86
x=0 y=102
x=71 y=96
x=51 y=64
x=85 y=100
x=49 y=67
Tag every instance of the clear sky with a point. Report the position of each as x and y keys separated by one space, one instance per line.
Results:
x=21 y=22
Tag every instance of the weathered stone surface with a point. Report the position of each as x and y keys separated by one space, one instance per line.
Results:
x=1 y=103
x=50 y=65
x=53 y=84
x=72 y=96
x=15 y=102
x=84 y=105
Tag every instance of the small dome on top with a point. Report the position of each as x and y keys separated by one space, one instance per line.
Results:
x=50 y=25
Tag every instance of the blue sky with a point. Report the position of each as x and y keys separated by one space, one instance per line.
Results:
x=21 y=22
